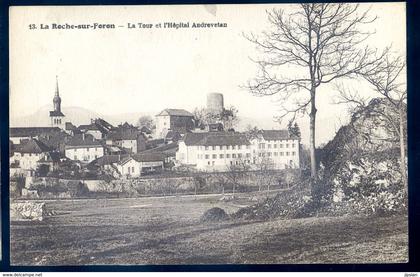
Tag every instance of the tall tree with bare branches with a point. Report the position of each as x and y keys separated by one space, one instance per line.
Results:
x=310 y=46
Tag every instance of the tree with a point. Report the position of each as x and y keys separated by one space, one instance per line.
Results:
x=228 y=117
x=146 y=121
x=387 y=77
x=293 y=129
x=309 y=47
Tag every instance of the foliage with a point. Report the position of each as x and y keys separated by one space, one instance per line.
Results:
x=294 y=130
x=228 y=117
x=146 y=121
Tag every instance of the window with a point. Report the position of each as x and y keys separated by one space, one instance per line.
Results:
x=214 y=156
x=233 y=155
x=206 y=148
x=259 y=154
x=75 y=157
x=248 y=147
x=198 y=156
x=287 y=145
x=293 y=145
x=287 y=153
x=281 y=154
x=30 y=154
x=132 y=169
x=231 y=162
x=228 y=156
x=214 y=148
x=207 y=157
x=276 y=154
x=221 y=156
x=275 y=145
x=269 y=154
x=233 y=147
x=239 y=147
x=228 y=147
x=96 y=156
x=208 y=162
x=212 y=163
x=239 y=155
x=222 y=147
x=248 y=155
x=269 y=146
x=293 y=153
x=281 y=145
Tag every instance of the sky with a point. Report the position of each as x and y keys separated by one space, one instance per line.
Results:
x=113 y=71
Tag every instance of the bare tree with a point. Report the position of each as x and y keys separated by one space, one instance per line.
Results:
x=236 y=171
x=313 y=45
x=387 y=79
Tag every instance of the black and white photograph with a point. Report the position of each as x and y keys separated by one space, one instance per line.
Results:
x=208 y=134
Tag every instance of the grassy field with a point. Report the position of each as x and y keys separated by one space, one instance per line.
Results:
x=169 y=231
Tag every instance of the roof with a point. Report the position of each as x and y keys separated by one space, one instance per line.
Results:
x=31 y=131
x=215 y=138
x=146 y=130
x=275 y=134
x=54 y=140
x=170 y=148
x=175 y=112
x=123 y=134
x=109 y=159
x=50 y=157
x=33 y=146
x=70 y=126
x=56 y=113
x=82 y=140
x=144 y=157
x=92 y=127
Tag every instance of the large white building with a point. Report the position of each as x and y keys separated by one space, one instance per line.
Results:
x=217 y=151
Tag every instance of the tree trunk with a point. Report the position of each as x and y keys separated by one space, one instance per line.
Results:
x=312 y=117
x=402 y=151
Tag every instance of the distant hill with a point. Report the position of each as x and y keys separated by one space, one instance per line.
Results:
x=76 y=115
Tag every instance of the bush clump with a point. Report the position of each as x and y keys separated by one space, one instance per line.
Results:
x=214 y=215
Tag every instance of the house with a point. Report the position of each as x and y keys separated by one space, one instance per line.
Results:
x=91 y=129
x=56 y=141
x=130 y=139
x=213 y=151
x=168 y=150
x=19 y=134
x=29 y=154
x=178 y=120
x=98 y=128
x=84 y=148
x=217 y=151
x=70 y=129
x=141 y=164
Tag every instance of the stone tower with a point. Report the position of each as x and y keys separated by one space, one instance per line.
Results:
x=56 y=116
x=215 y=103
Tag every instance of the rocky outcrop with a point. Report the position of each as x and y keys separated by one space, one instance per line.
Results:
x=27 y=211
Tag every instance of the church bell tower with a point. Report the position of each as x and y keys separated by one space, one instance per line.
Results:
x=56 y=116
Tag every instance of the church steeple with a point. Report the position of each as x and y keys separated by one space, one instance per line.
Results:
x=56 y=116
x=57 y=98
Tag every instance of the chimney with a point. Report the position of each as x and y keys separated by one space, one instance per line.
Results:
x=83 y=136
x=119 y=157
